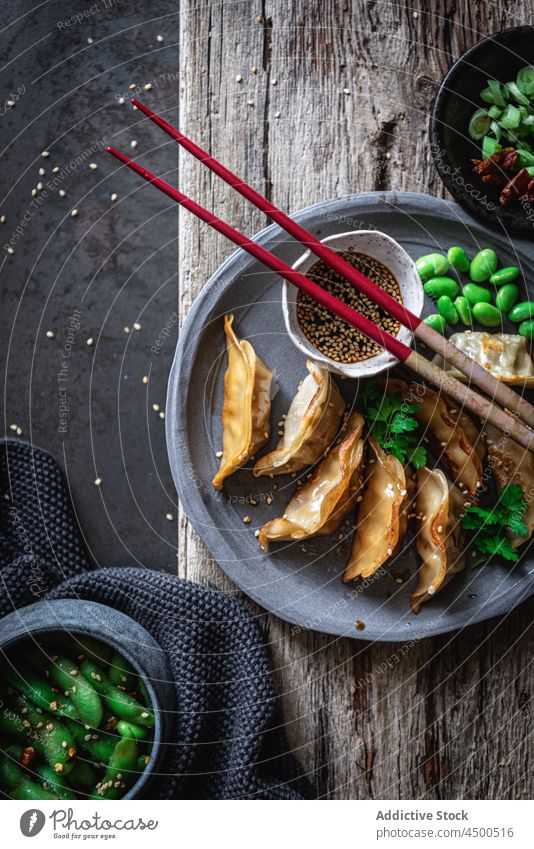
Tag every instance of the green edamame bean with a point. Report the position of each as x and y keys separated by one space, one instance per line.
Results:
x=121 y=772
x=436 y=322
x=522 y=312
x=458 y=259
x=83 y=695
x=130 y=729
x=483 y=265
x=504 y=275
x=526 y=329
x=487 y=314
x=447 y=310
x=506 y=297
x=432 y=265
x=31 y=791
x=99 y=746
x=40 y=692
x=49 y=736
x=476 y=294
x=438 y=286
x=121 y=673
x=463 y=308
x=119 y=702
x=53 y=783
x=83 y=776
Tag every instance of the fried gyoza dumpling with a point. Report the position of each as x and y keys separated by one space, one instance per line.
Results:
x=450 y=439
x=322 y=503
x=406 y=510
x=311 y=425
x=504 y=355
x=246 y=405
x=511 y=463
x=440 y=537
x=377 y=527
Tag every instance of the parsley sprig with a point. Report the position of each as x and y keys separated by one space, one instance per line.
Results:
x=489 y=525
x=390 y=422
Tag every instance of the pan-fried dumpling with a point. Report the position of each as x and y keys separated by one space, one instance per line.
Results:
x=504 y=355
x=450 y=440
x=311 y=425
x=322 y=503
x=511 y=463
x=440 y=536
x=406 y=510
x=377 y=527
x=246 y=405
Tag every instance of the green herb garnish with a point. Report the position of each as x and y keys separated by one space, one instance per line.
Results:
x=489 y=525
x=390 y=422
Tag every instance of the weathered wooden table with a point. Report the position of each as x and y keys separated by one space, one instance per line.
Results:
x=312 y=100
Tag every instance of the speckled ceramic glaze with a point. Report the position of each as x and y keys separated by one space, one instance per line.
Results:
x=305 y=587
x=387 y=251
x=88 y=618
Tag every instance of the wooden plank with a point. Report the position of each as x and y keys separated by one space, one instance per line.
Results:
x=444 y=718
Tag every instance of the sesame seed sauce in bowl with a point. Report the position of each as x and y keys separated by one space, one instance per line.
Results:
x=327 y=339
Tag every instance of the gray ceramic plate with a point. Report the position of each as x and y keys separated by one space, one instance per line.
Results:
x=304 y=587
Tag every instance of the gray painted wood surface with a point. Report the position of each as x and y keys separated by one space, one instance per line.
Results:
x=448 y=717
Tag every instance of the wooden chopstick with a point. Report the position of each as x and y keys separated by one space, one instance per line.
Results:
x=465 y=396
x=434 y=340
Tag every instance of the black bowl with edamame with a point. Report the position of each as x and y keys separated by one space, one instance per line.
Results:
x=499 y=56
x=86 y=703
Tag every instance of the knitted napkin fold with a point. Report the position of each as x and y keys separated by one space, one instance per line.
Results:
x=230 y=740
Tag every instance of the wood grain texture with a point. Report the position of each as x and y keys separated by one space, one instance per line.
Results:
x=444 y=718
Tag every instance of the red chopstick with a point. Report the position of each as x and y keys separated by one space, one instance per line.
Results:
x=473 y=370
x=423 y=367
x=364 y=325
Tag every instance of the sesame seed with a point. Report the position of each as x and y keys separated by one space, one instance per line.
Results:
x=114 y=197
x=137 y=326
x=253 y=70
x=93 y=166
x=90 y=40
x=62 y=193
x=256 y=534
x=346 y=91
x=132 y=86
x=98 y=481
x=126 y=329
x=45 y=154
x=269 y=500
x=42 y=172
x=250 y=103
x=74 y=212
x=121 y=101
x=219 y=454
x=133 y=144
x=169 y=517
x=147 y=87
x=90 y=341
x=277 y=114
x=155 y=407
x=2 y=219
x=162 y=415
x=10 y=250
x=159 y=39
x=145 y=378
x=34 y=192
x=50 y=334
x=39 y=186
x=246 y=520
x=19 y=431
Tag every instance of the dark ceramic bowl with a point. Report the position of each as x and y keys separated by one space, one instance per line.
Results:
x=500 y=56
x=86 y=618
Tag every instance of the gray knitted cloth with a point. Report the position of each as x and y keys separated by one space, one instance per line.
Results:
x=230 y=741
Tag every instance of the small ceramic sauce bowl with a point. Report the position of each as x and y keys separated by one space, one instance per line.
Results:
x=386 y=250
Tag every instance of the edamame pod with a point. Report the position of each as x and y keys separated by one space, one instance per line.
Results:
x=121 y=673
x=83 y=695
x=483 y=265
x=487 y=314
x=447 y=310
x=11 y=725
x=432 y=265
x=458 y=259
x=54 y=783
x=121 y=772
x=130 y=729
x=31 y=791
x=83 y=776
x=506 y=297
x=40 y=692
x=438 y=286
x=476 y=294
x=10 y=771
x=436 y=322
x=99 y=746
x=504 y=275
x=463 y=308
x=522 y=312
x=526 y=329
x=119 y=702
x=50 y=737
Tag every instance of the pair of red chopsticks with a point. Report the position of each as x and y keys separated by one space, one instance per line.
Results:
x=465 y=396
